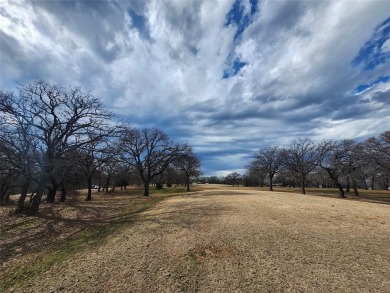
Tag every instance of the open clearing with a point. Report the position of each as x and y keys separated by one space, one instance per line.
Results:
x=225 y=240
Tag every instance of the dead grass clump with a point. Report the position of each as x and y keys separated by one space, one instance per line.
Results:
x=212 y=250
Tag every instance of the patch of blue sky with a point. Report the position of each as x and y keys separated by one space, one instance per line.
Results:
x=236 y=67
x=373 y=53
x=139 y=22
x=365 y=86
x=240 y=17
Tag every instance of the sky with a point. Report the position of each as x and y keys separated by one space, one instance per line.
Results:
x=228 y=77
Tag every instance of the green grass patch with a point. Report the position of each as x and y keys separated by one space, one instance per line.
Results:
x=19 y=227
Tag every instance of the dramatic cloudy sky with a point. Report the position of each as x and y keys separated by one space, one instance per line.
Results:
x=226 y=76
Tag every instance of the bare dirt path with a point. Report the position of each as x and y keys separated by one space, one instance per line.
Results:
x=237 y=241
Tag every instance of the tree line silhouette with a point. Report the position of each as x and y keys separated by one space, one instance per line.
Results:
x=343 y=164
x=54 y=139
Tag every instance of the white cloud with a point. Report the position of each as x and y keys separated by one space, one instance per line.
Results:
x=298 y=81
x=386 y=46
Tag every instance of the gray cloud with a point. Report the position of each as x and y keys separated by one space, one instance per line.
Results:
x=381 y=97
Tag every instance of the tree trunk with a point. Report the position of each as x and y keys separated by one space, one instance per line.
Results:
x=1 y=197
x=372 y=182
x=339 y=187
x=63 y=193
x=355 y=187
x=336 y=182
x=188 y=183
x=303 y=191
x=23 y=194
x=146 y=188
x=386 y=183
x=347 y=189
x=365 y=184
x=89 y=194
x=32 y=196
x=271 y=182
x=107 y=182
x=341 y=190
x=50 y=195
x=36 y=200
x=3 y=192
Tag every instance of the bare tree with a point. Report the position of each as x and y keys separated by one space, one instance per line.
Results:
x=255 y=174
x=188 y=164
x=334 y=160
x=302 y=157
x=233 y=178
x=57 y=177
x=353 y=163
x=173 y=175
x=60 y=120
x=213 y=180
x=269 y=160
x=17 y=141
x=122 y=176
x=92 y=156
x=8 y=173
x=149 y=151
x=379 y=149
x=68 y=173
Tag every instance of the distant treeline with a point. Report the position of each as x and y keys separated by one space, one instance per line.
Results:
x=55 y=140
x=343 y=164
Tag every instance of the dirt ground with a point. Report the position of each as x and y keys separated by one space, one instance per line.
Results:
x=236 y=241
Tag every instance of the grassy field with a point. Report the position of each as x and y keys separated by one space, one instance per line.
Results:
x=371 y=195
x=217 y=239
x=380 y=196
x=30 y=245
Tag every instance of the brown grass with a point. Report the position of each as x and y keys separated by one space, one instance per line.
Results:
x=219 y=240
x=379 y=196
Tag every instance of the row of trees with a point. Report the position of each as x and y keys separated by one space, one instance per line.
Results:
x=233 y=178
x=51 y=137
x=330 y=163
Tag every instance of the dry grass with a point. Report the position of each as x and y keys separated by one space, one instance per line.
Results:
x=30 y=245
x=228 y=240
x=379 y=196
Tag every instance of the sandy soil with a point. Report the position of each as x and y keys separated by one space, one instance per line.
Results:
x=237 y=241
